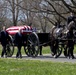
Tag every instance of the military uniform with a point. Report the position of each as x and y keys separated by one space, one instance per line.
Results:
x=4 y=38
x=70 y=37
x=18 y=42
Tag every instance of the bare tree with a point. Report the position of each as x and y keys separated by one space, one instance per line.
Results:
x=37 y=12
x=29 y=10
x=3 y=13
x=14 y=10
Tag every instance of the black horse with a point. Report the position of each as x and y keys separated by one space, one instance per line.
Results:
x=61 y=38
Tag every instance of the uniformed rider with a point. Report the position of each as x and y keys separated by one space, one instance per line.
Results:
x=70 y=35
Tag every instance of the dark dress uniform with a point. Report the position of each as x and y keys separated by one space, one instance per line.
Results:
x=18 y=41
x=4 y=38
x=71 y=18
x=70 y=36
x=70 y=44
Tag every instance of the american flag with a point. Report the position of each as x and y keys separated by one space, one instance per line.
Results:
x=24 y=29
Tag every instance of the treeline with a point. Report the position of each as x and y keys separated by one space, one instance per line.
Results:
x=41 y=14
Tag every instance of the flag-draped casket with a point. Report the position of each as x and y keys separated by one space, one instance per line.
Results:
x=24 y=29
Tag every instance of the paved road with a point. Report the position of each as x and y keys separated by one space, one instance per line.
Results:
x=48 y=57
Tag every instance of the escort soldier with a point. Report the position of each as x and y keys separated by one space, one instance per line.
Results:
x=4 y=38
x=18 y=41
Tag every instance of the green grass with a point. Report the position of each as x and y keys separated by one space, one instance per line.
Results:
x=13 y=66
x=45 y=50
x=31 y=67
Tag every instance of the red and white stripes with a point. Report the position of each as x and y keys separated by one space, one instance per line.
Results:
x=14 y=29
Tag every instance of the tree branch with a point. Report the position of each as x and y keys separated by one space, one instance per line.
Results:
x=55 y=10
x=74 y=3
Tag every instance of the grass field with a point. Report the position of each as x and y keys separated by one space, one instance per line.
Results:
x=31 y=67
x=45 y=50
x=13 y=66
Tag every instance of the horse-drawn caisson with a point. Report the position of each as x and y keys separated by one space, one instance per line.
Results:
x=33 y=42
x=30 y=40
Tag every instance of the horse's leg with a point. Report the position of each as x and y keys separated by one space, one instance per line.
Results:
x=53 y=49
x=40 y=50
x=65 y=51
x=71 y=51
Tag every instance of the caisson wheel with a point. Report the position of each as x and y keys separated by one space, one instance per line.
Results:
x=10 y=48
x=32 y=47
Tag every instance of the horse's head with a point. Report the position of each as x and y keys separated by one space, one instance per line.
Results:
x=71 y=25
x=57 y=32
x=68 y=28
